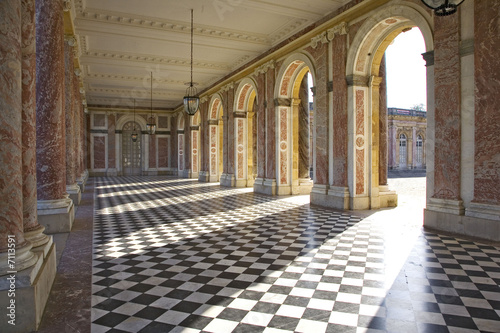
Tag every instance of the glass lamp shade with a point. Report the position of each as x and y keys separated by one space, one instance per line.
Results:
x=443 y=7
x=134 y=136
x=191 y=100
x=151 y=125
x=191 y=104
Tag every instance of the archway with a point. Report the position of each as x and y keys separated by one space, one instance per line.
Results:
x=293 y=126
x=245 y=140
x=367 y=180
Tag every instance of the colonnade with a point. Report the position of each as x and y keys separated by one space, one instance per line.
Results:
x=43 y=163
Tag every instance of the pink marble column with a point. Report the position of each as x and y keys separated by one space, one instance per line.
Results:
x=32 y=229
x=71 y=130
x=112 y=141
x=270 y=126
x=11 y=193
x=260 y=116
x=205 y=138
x=383 y=118
x=304 y=130
x=339 y=114
x=50 y=116
x=321 y=114
x=487 y=116
x=447 y=107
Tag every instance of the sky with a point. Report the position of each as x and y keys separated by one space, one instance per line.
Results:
x=406 y=79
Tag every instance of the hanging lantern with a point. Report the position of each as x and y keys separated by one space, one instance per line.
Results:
x=443 y=7
x=191 y=100
x=151 y=124
x=134 y=134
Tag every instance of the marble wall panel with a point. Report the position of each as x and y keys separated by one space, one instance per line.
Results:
x=243 y=96
x=287 y=78
x=174 y=143
x=213 y=150
x=195 y=151
x=99 y=152
x=304 y=133
x=111 y=141
x=152 y=151
x=180 y=151
x=360 y=141
x=283 y=145
x=447 y=107
x=99 y=120
x=487 y=115
x=240 y=147
x=163 y=152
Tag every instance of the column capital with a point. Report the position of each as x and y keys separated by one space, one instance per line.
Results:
x=357 y=80
x=265 y=67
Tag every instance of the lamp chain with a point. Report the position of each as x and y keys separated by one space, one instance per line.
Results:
x=191 y=47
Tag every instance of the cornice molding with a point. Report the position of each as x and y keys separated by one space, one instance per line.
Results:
x=265 y=67
x=173 y=26
x=154 y=59
x=328 y=35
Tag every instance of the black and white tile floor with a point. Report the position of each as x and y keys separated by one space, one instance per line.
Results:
x=174 y=255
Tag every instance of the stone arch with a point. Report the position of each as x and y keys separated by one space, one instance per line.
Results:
x=245 y=151
x=362 y=69
x=126 y=118
x=292 y=125
x=215 y=137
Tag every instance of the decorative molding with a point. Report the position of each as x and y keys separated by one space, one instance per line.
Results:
x=288 y=30
x=203 y=99
x=282 y=102
x=239 y=114
x=66 y=5
x=357 y=80
x=155 y=59
x=172 y=26
x=429 y=58
x=213 y=121
x=227 y=87
x=321 y=38
x=194 y=128
x=339 y=29
x=327 y=36
x=70 y=39
x=264 y=68
x=106 y=76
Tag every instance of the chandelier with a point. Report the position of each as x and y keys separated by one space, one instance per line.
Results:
x=443 y=7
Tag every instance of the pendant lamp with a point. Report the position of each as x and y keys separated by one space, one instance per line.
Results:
x=191 y=100
x=151 y=124
x=134 y=133
x=443 y=7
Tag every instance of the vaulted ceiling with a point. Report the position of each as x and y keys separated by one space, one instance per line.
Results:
x=122 y=41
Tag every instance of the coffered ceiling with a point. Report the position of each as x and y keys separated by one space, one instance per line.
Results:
x=122 y=41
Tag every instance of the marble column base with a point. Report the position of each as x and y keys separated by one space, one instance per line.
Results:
x=265 y=186
x=387 y=198
x=112 y=172
x=56 y=215
x=33 y=287
x=483 y=211
x=204 y=177
x=330 y=196
x=75 y=194
x=82 y=180
x=359 y=203
x=240 y=182
x=37 y=237
x=305 y=186
x=250 y=181
x=227 y=180
x=468 y=226
x=23 y=258
x=454 y=207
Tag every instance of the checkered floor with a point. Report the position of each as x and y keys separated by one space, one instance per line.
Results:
x=175 y=255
